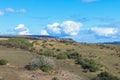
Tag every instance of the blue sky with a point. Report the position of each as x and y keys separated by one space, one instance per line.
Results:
x=82 y=20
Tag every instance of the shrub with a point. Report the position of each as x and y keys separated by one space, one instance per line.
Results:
x=44 y=45
x=51 y=44
x=41 y=50
x=3 y=62
x=105 y=76
x=42 y=62
x=62 y=56
x=55 y=78
x=49 y=53
x=91 y=65
x=85 y=70
x=17 y=42
x=73 y=55
x=58 y=50
x=35 y=42
x=44 y=41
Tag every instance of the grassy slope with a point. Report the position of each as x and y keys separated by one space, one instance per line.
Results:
x=17 y=58
x=105 y=55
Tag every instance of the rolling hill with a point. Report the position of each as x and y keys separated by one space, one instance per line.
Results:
x=107 y=55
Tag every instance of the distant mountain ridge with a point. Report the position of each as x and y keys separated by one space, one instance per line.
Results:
x=33 y=37
x=37 y=37
x=115 y=42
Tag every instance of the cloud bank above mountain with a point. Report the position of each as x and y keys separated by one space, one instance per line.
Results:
x=66 y=28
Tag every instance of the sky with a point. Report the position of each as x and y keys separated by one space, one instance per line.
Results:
x=88 y=21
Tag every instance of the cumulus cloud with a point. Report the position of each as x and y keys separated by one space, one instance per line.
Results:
x=44 y=32
x=54 y=28
x=88 y=1
x=66 y=28
x=71 y=27
x=1 y=13
x=104 y=31
x=22 y=30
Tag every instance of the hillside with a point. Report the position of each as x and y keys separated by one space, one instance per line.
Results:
x=36 y=37
x=107 y=55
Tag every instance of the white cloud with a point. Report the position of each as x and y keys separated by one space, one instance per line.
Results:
x=22 y=30
x=88 y=1
x=21 y=11
x=104 y=31
x=71 y=27
x=20 y=27
x=9 y=10
x=55 y=28
x=1 y=13
x=26 y=32
x=43 y=32
x=66 y=28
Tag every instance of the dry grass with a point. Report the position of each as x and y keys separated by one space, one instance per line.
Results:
x=3 y=38
x=65 y=70
x=104 y=54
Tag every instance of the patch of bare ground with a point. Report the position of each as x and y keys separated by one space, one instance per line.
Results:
x=3 y=38
x=39 y=75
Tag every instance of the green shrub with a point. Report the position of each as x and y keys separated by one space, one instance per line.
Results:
x=3 y=62
x=105 y=76
x=91 y=65
x=58 y=50
x=44 y=41
x=51 y=44
x=73 y=55
x=55 y=78
x=35 y=42
x=42 y=62
x=17 y=42
x=62 y=56
x=49 y=53
x=85 y=70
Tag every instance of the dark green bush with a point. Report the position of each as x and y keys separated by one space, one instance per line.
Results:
x=91 y=65
x=58 y=50
x=85 y=70
x=3 y=62
x=73 y=55
x=62 y=56
x=105 y=76
x=51 y=44
x=42 y=62
x=55 y=78
x=31 y=67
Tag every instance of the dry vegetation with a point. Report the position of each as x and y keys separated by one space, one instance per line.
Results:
x=66 y=69
x=3 y=38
